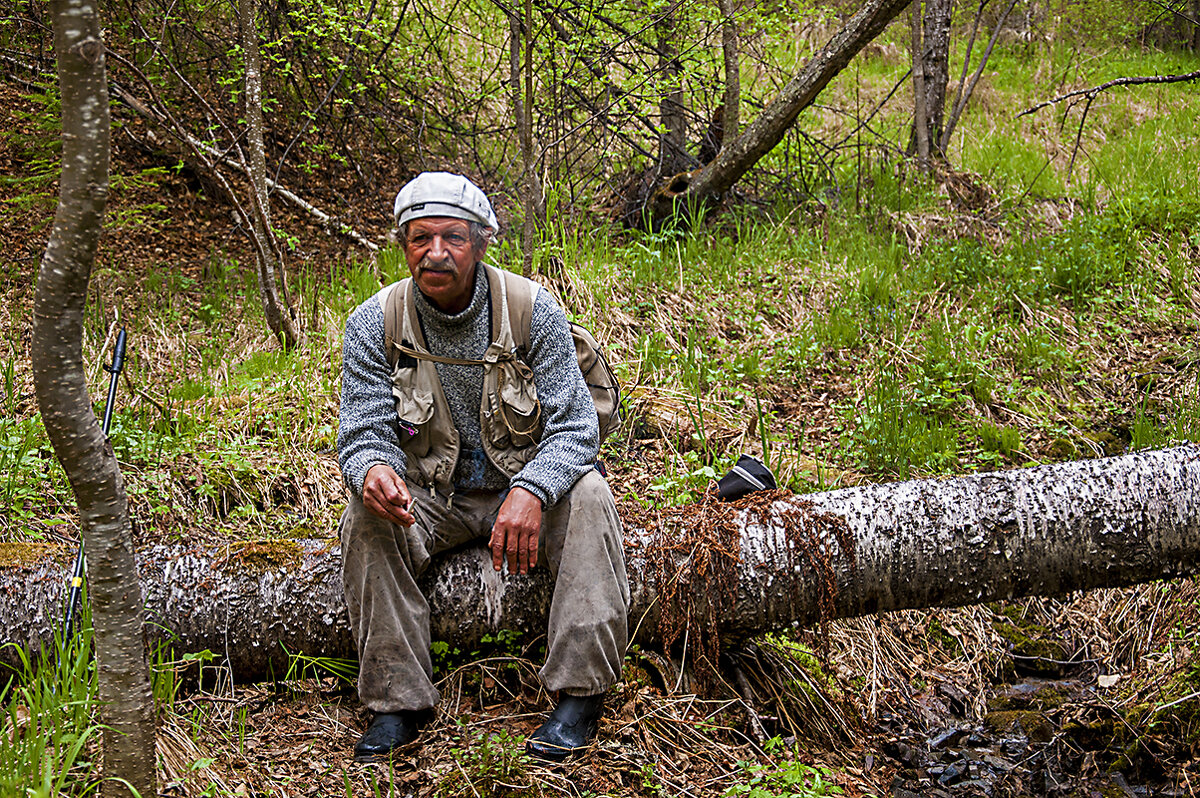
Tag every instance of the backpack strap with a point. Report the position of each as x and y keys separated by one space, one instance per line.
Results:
x=393 y=319
x=511 y=306
x=515 y=306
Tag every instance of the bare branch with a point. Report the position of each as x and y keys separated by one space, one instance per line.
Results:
x=1094 y=90
x=965 y=96
x=209 y=157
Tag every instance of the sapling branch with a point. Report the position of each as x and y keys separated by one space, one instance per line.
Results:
x=1095 y=90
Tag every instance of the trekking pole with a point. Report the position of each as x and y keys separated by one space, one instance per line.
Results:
x=114 y=371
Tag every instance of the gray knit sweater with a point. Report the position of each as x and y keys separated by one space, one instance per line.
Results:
x=367 y=431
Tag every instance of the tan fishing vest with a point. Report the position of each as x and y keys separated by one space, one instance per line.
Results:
x=510 y=415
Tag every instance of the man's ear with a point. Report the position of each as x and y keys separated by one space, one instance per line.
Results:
x=481 y=251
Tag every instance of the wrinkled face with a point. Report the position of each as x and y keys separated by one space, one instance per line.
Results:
x=442 y=260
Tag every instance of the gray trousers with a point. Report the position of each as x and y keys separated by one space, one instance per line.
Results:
x=581 y=542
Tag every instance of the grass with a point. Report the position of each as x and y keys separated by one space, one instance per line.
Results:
x=914 y=349
x=787 y=778
x=872 y=329
x=49 y=723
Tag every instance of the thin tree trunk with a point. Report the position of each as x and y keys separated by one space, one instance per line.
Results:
x=127 y=708
x=938 y=16
x=672 y=155
x=1195 y=23
x=278 y=313
x=945 y=542
x=733 y=76
x=760 y=136
x=920 y=120
x=521 y=85
x=934 y=73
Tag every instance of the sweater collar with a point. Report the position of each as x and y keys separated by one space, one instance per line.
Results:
x=443 y=322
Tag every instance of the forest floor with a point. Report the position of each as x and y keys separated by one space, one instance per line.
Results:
x=1088 y=695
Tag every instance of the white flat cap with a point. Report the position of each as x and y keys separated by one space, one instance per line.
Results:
x=443 y=194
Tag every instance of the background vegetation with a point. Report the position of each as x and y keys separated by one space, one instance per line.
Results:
x=843 y=315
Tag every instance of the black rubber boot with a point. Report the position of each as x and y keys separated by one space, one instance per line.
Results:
x=569 y=729
x=389 y=731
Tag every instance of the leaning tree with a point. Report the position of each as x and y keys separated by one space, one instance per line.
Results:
x=739 y=154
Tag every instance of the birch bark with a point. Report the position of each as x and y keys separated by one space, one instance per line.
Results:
x=928 y=543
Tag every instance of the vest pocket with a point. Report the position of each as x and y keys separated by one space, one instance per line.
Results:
x=414 y=409
x=517 y=413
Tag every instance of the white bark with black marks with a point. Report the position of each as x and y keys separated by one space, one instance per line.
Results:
x=932 y=73
x=928 y=543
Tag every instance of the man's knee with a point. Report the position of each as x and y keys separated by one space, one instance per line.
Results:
x=368 y=540
x=359 y=523
x=592 y=498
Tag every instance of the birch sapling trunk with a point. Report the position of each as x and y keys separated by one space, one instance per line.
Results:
x=934 y=73
x=672 y=152
x=270 y=263
x=920 y=120
x=127 y=707
x=733 y=77
x=521 y=84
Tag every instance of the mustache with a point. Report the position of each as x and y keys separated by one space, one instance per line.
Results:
x=445 y=264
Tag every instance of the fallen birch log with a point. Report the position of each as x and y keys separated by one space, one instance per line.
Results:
x=1048 y=530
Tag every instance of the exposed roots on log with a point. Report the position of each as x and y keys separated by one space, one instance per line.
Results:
x=695 y=555
x=693 y=558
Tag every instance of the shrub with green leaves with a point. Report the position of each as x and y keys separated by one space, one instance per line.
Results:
x=786 y=777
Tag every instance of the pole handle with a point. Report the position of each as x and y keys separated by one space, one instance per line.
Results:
x=118 y=361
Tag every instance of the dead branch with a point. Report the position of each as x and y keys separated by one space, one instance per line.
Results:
x=210 y=157
x=1095 y=90
x=965 y=96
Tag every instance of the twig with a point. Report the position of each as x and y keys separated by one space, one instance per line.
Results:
x=743 y=686
x=1176 y=702
x=210 y=157
x=1079 y=134
x=863 y=123
x=1094 y=90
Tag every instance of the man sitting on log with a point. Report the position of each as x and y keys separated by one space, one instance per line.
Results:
x=458 y=423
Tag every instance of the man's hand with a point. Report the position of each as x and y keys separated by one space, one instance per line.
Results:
x=515 y=533
x=386 y=495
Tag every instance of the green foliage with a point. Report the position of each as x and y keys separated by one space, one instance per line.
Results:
x=895 y=435
x=1152 y=429
x=999 y=440
x=37 y=139
x=688 y=481
x=789 y=778
x=48 y=724
x=167 y=673
x=31 y=480
x=302 y=667
x=487 y=764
